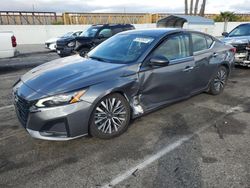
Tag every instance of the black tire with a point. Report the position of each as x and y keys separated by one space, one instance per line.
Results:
x=219 y=81
x=106 y=124
x=83 y=52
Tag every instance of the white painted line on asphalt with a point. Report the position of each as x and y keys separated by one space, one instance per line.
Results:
x=11 y=76
x=151 y=159
x=125 y=175
x=6 y=107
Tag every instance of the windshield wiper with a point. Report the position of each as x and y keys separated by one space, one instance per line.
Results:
x=97 y=58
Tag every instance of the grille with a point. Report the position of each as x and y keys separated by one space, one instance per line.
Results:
x=61 y=44
x=240 y=48
x=22 y=108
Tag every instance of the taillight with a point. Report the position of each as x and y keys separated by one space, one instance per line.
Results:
x=233 y=50
x=13 y=41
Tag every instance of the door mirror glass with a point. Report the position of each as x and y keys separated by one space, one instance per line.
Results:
x=225 y=34
x=101 y=36
x=159 y=61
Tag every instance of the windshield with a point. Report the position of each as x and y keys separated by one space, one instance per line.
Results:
x=90 y=32
x=67 y=34
x=243 y=30
x=123 y=48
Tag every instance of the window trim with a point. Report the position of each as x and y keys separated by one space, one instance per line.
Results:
x=174 y=61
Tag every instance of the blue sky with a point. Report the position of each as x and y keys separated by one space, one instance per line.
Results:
x=149 y=6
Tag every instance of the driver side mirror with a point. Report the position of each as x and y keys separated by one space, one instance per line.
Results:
x=101 y=36
x=159 y=61
x=225 y=34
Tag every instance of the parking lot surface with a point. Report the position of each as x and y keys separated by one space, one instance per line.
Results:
x=200 y=142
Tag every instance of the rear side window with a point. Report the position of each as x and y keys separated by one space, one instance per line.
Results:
x=210 y=41
x=117 y=30
x=199 y=42
x=175 y=47
x=106 y=33
x=127 y=28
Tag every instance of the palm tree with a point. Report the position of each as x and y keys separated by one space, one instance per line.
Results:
x=203 y=7
x=186 y=7
x=226 y=17
x=196 y=7
x=191 y=7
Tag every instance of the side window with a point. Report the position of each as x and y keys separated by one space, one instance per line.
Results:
x=76 y=34
x=209 y=41
x=199 y=42
x=106 y=33
x=175 y=47
x=117 y=30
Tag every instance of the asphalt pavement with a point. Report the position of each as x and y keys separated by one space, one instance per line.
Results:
x=200 y=142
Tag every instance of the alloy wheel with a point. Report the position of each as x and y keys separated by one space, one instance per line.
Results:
x=110 y=115
x=220 y=80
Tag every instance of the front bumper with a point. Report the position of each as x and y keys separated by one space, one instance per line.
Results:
x=50 y=46
x=242 y=59
x=59 y=123
x=64 y=50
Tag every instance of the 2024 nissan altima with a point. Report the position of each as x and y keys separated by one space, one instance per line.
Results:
x=131 y=73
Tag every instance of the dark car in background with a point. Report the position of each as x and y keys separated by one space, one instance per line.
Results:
x=239 y=37
x=51 y=43
x=90 y=38
x=97 y=34
x=128 y=75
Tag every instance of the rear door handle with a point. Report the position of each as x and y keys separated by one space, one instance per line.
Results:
x=188 y=68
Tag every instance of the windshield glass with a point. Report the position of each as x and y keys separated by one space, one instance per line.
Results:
x=123 y=48
x=90 y=32
x=243 y=30
x=67 y=34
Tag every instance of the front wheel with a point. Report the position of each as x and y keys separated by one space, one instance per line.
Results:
x=83 y=52
x=219 y=81
x=110 y=117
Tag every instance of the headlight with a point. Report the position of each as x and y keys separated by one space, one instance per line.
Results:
x=58 y=100
x=71 y=44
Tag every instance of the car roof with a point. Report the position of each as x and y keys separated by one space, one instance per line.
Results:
x=154 y=32
x=113 y=25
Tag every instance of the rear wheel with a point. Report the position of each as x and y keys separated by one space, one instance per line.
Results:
x=110 y=117
x=219 y=81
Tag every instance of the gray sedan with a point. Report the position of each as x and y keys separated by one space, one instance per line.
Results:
x=128 y=75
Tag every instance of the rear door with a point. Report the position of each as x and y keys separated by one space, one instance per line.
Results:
x=205 y=60
x=161 y=85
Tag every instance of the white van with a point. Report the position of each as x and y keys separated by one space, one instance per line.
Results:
x=7 y=44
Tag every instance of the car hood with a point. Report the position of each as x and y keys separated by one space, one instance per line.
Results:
x=71 y=73
x=83 y=39
x=52 y=40
x=236 y=40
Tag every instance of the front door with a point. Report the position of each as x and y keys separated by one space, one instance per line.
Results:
x=161 y=85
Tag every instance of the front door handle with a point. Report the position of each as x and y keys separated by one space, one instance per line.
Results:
x=215 y=54
x=188 y=68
